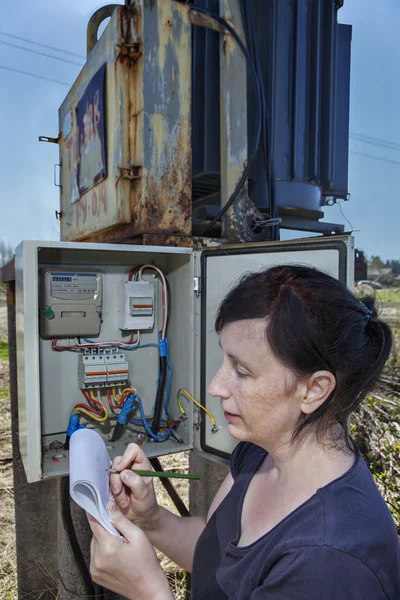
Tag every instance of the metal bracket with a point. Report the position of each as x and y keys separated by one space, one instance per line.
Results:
x=134 y=172
x=50 y=140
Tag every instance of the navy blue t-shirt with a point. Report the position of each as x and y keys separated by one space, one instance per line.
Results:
x=341 y=544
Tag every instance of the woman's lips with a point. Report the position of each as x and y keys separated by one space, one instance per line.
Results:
x=230 y=416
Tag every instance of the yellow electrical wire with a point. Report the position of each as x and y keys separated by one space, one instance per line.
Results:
x=93 y=397
x=182 y=390
x=91 y=415
x=116 y=400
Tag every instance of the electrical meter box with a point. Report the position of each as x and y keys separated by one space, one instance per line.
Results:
x=88 y=365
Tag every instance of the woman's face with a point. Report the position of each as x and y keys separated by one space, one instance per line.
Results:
x=259 y=395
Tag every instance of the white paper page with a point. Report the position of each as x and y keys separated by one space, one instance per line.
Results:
x=89 y=479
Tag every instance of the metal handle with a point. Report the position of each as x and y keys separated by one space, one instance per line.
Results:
x=94 y=23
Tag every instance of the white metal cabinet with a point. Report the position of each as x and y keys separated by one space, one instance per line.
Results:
x=48 y=382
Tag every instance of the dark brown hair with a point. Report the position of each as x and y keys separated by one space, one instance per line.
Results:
x=315 y=323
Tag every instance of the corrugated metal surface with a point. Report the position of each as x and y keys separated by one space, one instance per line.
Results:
x=125 y=144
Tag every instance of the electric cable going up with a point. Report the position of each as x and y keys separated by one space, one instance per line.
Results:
x=252 y=156
x=54 y=48
x=273 y=221
x=72 y=539
x=136 y=273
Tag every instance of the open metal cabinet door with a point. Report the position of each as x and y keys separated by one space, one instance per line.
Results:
x=218 y=270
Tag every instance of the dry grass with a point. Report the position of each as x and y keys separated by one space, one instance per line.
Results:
x=181 y=461
x=8 y=559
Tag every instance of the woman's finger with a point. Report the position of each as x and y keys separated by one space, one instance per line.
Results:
x=119 y=490
x=136 y=484
x=97 y=529
x=131 y=532
x=133 y=457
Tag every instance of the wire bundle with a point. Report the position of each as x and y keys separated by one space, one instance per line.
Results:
x=136 y=275
x=94 y=409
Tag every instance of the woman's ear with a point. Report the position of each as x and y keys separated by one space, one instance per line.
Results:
x=318 y=387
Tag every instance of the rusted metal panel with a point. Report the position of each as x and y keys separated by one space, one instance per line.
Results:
x=134 y=177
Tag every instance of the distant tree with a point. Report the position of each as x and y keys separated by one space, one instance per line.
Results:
x=376 y=262
x=6 y=253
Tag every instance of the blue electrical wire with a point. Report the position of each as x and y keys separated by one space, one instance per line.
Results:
x=147 y=428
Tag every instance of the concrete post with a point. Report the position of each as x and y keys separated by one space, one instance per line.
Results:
x=212 y=475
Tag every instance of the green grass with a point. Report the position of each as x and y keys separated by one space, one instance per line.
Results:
x=3 y=350
x=4 y=394
x=389 y=295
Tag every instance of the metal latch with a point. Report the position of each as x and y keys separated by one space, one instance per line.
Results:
x=197 y=285
x=134 y=172
x=130 y=51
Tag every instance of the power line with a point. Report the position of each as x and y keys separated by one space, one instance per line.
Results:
x=22 y=39
x=72 y=62
x=386 y=160
x=368 y=139
x=34 y=75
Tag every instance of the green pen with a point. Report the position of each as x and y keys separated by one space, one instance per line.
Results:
x=160 y=474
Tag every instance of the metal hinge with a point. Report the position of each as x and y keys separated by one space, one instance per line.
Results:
x=197 y=285
x=134 y=172
x=197 y=418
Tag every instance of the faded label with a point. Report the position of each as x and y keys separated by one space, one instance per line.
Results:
x=90 y=118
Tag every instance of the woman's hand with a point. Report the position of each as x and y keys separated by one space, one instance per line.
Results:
x=127 y=565
x=134 y=494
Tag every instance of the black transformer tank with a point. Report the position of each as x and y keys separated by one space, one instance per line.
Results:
x=304 y=59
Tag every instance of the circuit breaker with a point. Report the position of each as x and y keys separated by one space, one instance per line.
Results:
x=70 y=303
x=136 y=305
x=102 y=369
x=99 y=326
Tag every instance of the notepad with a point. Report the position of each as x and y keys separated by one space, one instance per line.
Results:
x=89 y=479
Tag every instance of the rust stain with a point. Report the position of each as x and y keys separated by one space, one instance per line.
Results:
x=167 y=240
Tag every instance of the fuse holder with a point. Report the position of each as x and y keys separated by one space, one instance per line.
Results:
x=103 y=370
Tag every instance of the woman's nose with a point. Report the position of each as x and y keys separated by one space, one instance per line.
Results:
x=217 y=387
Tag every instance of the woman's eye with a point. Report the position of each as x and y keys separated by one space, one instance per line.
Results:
x=240 y=375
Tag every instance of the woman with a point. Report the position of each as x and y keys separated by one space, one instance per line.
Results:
x=299 y=515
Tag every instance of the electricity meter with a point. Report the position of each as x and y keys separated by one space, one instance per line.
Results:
x=70 y=303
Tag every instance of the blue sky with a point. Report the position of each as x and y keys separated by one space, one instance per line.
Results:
x=29 y=108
